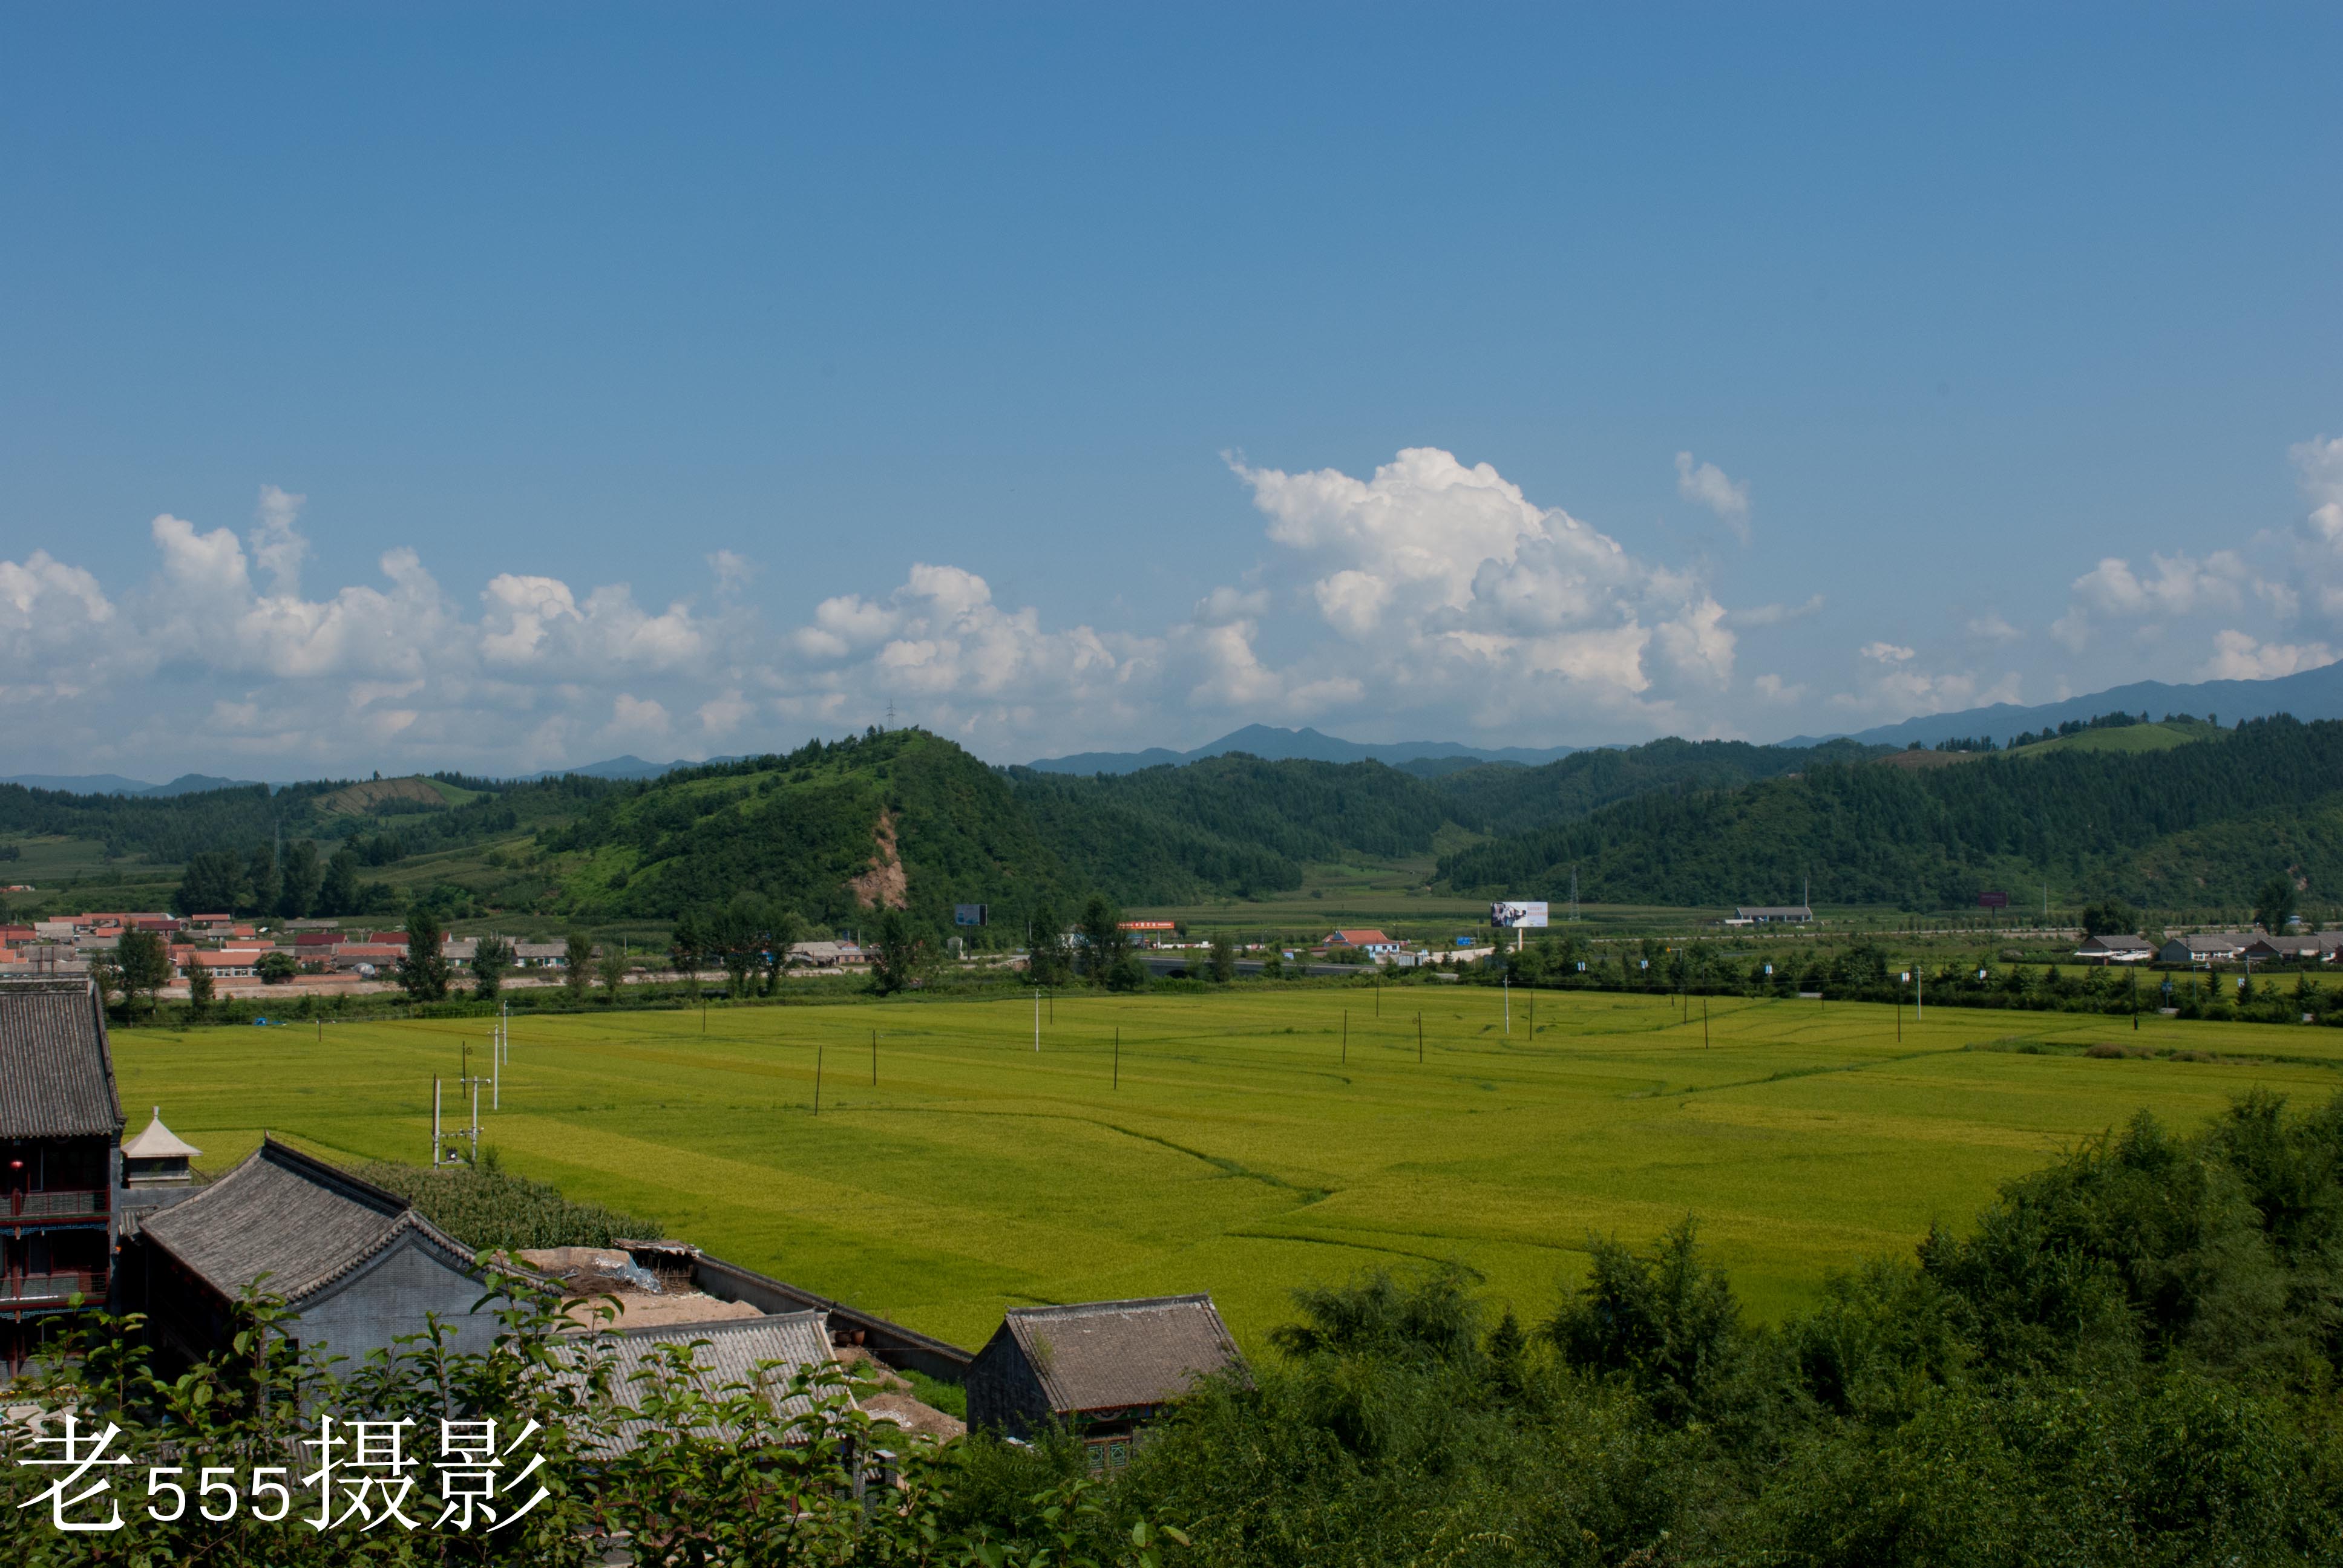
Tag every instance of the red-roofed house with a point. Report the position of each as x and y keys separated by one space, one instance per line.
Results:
x=240 y=965
x=1369 y=942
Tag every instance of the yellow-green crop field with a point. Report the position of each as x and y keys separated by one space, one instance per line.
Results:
x=1246 y=1148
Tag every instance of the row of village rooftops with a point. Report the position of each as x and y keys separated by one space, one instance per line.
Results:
x=90 y=1217
x=2252 y=946
x=231 y=950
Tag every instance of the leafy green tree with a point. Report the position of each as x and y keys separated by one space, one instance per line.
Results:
x=1104 y=941
x=900 y=959
x=1665 y=1320
x=1221 y=961
x=740 y=935
x=688 y=948
x=303 y=876
x=2108 y=917
x=338 y=894
x=213 y=883
x=2273 y=903
x=611 y=968
x=422 y=971
x=1129 y=974
x=277 y=967
x=783 y=931
x=492 y=957
x=262 y=886
x=202 y=989
x=1049 y=961
x=576 y=964
x=107 y=976
x=144 y=964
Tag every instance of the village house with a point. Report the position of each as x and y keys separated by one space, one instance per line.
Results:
x=2205 y=948
x=2294 y=947
x=1371 y=942
x=59 y=1119
x=1102 y=1369
x=1771 y=914
x=356 y=1266
x=2116 y=950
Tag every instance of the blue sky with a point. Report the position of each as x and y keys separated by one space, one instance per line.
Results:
x=499 y=387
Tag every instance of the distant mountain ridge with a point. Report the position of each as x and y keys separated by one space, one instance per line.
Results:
x=1272 y=744
x=116 y=784
x=2307 y=694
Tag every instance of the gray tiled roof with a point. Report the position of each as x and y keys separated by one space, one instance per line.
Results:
x=293 y=1217
x=56 y=1079
x=732 y=1349
x=1110 y=1355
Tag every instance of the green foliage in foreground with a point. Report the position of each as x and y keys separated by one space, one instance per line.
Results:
x=2131 y=1360
x=484 y=1207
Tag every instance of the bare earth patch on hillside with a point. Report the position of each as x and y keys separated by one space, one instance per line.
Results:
x=369 y=796
x=885 y=883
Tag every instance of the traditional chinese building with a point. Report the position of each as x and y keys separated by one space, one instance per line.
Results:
x=356 y=1266
x=59 y=1119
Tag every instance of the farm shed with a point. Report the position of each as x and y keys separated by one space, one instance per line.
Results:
x=1771 y=914
x=357 y=1265
x=1103 y=1368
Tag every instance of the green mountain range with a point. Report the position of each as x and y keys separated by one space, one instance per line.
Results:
x=2172 y=815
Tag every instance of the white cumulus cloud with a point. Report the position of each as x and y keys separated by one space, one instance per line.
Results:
x=1706 y=484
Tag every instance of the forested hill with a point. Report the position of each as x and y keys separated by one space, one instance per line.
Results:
x=1499 y=799
x=1233 y=824
x=2189 y=825
x=446 y=809
x=900 y=819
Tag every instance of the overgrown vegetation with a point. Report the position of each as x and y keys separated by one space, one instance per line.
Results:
x=484 y=1206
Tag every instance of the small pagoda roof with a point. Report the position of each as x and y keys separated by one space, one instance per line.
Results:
x=159 y=1142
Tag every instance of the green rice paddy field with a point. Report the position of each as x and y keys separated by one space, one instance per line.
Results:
x=1241 y=1153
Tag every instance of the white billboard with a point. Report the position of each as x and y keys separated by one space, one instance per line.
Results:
x=1507 y=916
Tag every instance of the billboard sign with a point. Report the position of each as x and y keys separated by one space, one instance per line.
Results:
x=1146 y=925
x=1507 y=916
x=1993 y=900
x=970 y=914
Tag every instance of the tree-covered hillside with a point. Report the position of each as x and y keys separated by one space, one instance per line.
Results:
x=1229 y=824
x=1493 y=799
x=2193 y=825
x=900 y=819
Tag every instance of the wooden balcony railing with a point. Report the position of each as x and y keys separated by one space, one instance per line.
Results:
x=57 y=1205
x=53 y=1289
